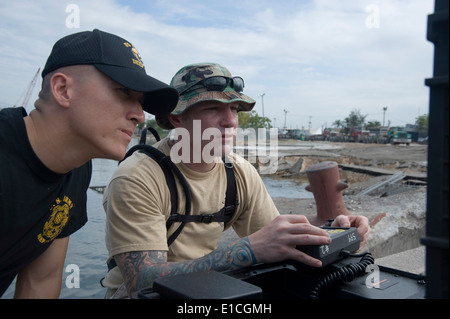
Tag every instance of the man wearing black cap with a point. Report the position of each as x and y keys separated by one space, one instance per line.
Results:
x=94 y=91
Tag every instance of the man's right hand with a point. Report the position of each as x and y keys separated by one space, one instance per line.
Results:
x=278 y=240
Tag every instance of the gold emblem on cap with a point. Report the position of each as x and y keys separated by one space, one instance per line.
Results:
x=138 y=60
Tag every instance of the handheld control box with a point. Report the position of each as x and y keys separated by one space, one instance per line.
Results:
x=342 y=239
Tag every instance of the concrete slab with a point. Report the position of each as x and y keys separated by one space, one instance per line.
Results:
x=412 y=260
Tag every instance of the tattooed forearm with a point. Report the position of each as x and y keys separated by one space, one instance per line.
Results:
x=141 y=268
x=133 y=266
x=237 y=255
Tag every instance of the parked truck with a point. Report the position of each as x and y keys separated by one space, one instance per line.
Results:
x=398 y=135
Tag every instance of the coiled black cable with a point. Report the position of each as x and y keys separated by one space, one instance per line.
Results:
x=344 y=274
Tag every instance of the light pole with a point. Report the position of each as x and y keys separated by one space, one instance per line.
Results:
x=384 y=112
x=262 y=102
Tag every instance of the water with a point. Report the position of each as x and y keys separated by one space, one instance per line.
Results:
x=87 y=251
x=87 y=246
x=283 y=187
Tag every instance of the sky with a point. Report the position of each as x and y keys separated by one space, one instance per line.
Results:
x=307 y=63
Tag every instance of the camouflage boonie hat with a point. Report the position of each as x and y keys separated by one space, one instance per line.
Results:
x=190 y=74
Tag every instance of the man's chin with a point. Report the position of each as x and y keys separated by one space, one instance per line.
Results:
x=116 y=154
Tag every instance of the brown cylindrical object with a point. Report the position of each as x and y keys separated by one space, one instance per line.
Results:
x=327 y=188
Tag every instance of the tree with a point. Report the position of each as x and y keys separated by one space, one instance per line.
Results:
x=354 y=120
x=422 y=125
x=422 y=121
x=252 y=119
x=338 y=123
x=373 y=125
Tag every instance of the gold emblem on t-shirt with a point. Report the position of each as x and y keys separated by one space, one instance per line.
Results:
x=57 y=220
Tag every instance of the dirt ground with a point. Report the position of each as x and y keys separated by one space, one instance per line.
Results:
x=404 y=197
x=386 y=156
x=410 y=160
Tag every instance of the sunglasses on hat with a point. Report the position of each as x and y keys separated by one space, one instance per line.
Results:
x=219 y=83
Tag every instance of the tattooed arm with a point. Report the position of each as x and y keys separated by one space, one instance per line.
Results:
x=274 y=242
x=140 y=268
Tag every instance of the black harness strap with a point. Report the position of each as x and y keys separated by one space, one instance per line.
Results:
x=164 y=162
x=169 y=169
x=231 y=193
x=224 y=215
x=143 y=139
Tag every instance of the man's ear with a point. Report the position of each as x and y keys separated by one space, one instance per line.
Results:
x=59 y=86
x=174 y=120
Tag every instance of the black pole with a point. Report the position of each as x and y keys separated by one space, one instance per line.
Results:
x=437 y=221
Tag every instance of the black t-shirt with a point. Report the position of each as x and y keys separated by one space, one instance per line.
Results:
x=37 y=205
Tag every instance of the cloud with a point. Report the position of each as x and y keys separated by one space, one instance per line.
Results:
x=318 y=58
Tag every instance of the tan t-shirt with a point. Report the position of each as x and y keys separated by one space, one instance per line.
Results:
x=137 y=205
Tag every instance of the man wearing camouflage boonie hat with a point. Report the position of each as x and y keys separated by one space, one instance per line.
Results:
x=138 y=200
x=187 y=81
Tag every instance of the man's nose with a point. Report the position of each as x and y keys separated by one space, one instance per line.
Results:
x=229 y=117
x=136 y=113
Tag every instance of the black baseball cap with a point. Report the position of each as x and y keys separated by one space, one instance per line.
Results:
x=116 y=58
